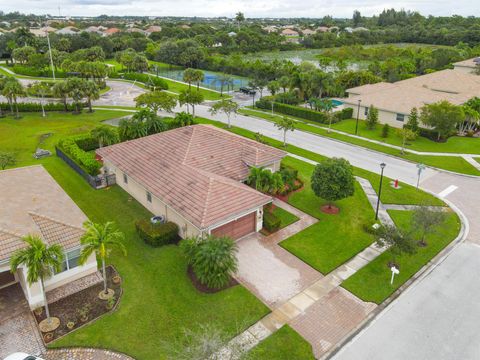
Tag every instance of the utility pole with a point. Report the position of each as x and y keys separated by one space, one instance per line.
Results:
x=50 y=52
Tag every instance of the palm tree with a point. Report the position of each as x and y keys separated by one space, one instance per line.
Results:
x=239 y=18
x=92 y=93
x=199 y=76
x=327 y=106
x=2 y=84
x=40 y=260
x=191 y=98
x=11 y=90
x=105 y=135
x=60 y=90
x=101 y=239
x=189 y=76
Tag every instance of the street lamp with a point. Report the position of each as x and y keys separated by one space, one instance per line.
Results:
x=382 y=166
x=358 y=114
x=420 y=168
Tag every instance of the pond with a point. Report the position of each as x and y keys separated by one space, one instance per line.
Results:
x=212 y=80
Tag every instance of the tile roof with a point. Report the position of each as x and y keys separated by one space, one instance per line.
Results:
x=33 y=203
x=197 y=170
x=450 y=85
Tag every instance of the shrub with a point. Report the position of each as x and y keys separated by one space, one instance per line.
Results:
x=213 y=259
x=36 y=107
x=385 y=130
x=287 y=98
x=36 y=72
x=347 y=113
x=150 y=80
x=296 y=111
x=84 y=159
x=157 y=234
x=271 y=222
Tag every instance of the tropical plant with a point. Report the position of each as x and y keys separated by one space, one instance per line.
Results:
x=285 y=124
x=273 y=86
x=182 y=119
x=130 y=129
x=105 y=135
x=101 y=239
x=12 y=89
x=92 y=92
x=190 y=97
x=212 y=259
x=76 y=91
x=333 y=180
x=327 y=106
x=189 y=76
x=228 y=107
x=7 y=159
x=60 y=90
x=40 y=259
x=153 y=123
x=265 y=180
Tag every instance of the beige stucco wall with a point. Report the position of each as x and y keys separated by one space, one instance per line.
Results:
x=384 y=117
x=157 y=206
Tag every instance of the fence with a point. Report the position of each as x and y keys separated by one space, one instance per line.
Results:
x=97 y=182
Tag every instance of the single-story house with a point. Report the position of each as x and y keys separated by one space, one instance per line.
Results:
x=289 y=32
x=467 y=66
x=153 y=28
x=34 y=204
x=308 y=32
x=194 y=176
x=394 y=101
x=42 y=32
x=111 y=31
x=69 y=30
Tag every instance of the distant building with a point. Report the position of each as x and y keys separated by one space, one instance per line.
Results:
x=111 y=31
x=232 y=33
x=289 y=32
x=42 y=32
x=270 y=29
x=153 y=28
x=308 y=32
x=136 y=30
x=69 y=30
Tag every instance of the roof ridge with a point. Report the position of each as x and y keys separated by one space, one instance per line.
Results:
x=204 y=213
x=187 y=150
x=32 y=213
x=9 y=232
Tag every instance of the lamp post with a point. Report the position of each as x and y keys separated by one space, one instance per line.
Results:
x=50 y=53
x=358 y=114
x=420 y=168
x=382 y=166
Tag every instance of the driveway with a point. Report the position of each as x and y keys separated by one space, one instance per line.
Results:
x=18 y=331
x=272 y=273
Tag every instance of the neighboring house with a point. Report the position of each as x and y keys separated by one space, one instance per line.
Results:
x=42 y=32
x=357 y=29
x=270 y=28
x=153 y=28
x=395 y=100
x=33 y=203
x=194 y=177
x=94 y=29
x=136 y=30
x=322 y=29
x=467 y=66
x=289 y=32
x=111 y=31
x=308 y=32
x=69 y=30
x=232 y=34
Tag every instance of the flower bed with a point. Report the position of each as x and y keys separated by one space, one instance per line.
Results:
x=71 y=309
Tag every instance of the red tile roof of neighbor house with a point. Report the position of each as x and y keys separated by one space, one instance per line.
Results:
x=33 y=203
x=197 y=170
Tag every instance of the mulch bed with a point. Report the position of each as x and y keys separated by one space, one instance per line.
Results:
x=330 y=209
x=66 y=309
x=285 y=197
x=205 y=289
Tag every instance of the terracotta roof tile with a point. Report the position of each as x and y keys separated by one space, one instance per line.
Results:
x=9 y=243
x=196 y=170
x=56 y=232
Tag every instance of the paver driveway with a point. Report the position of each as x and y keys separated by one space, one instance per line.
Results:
x=18 y=331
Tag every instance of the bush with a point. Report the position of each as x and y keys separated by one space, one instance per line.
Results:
x=345 y=113
x=157 y=234
x=296 y=111
x=271 y=222
x=433 y=134
x=385 y=130
x=36 y=107
x=213 y=259
x=84 y=159
x=150 y=80
x=287 y=98
x=36 y=72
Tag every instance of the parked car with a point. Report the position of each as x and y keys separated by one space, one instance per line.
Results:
x=21 y=356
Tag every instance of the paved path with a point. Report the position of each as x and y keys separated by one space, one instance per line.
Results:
x=84 y=354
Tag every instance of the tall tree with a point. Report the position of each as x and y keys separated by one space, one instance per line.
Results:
x=189 y=76
x=92 y=92
x=239 y=18
x=190 y=97
x=12 y=89
x=156 y=100
x=101 y=239
x=357 y=18
x=40 y=260
x=60 y=90
x=285 y=124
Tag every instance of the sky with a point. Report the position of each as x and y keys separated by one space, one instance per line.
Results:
x=251 y=8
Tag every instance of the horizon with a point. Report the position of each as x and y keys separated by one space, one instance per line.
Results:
x=218 y=9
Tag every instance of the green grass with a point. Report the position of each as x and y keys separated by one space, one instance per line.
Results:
x=372 y=282
x=405 y=195
x=285 y=344
x=477 y=159
x=334 y=239
x=22 y=136
x=159 y=301
x=286 y=218
x=450 y=163
x=177 y=87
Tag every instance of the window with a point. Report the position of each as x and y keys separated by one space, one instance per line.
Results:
x=149 y=197
x=70 y=261
x=366 y=111
x=400 y=117
x=125 y=178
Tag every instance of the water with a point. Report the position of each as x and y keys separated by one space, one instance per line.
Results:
x=210 y=81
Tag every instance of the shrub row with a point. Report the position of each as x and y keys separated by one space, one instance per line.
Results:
x=271 y=222
x=36 y=72
x=146 y=79
x=36 y=107
x=157 y=234
x=86 y=160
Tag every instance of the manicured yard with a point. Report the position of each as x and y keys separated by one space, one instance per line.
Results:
x=405 y=195
x=285 y=344
x=335 y=238
x=450 y=163
x=286 y=218
x=22 y=136
x=372 y=282
x=159 y=301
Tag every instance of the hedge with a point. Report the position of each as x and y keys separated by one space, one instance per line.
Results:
x=86 y=160
x=146 y=79
x=271 y=222
x=36 y=107
x=296 y=111
x=31 y=71
x=157 y=234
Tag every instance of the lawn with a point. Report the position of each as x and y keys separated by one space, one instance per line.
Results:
x=335 y=238
x=22 y=136
x=372 y=282
x=405 y=195
x=159 y=301
x=285 y=344
x=450 y=163
x=285 y=217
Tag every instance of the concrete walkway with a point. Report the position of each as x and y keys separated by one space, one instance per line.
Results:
x=84 y=354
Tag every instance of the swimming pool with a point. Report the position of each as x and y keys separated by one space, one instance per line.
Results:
x=336 y=102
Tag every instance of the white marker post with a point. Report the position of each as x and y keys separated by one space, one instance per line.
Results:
x=395 y=271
